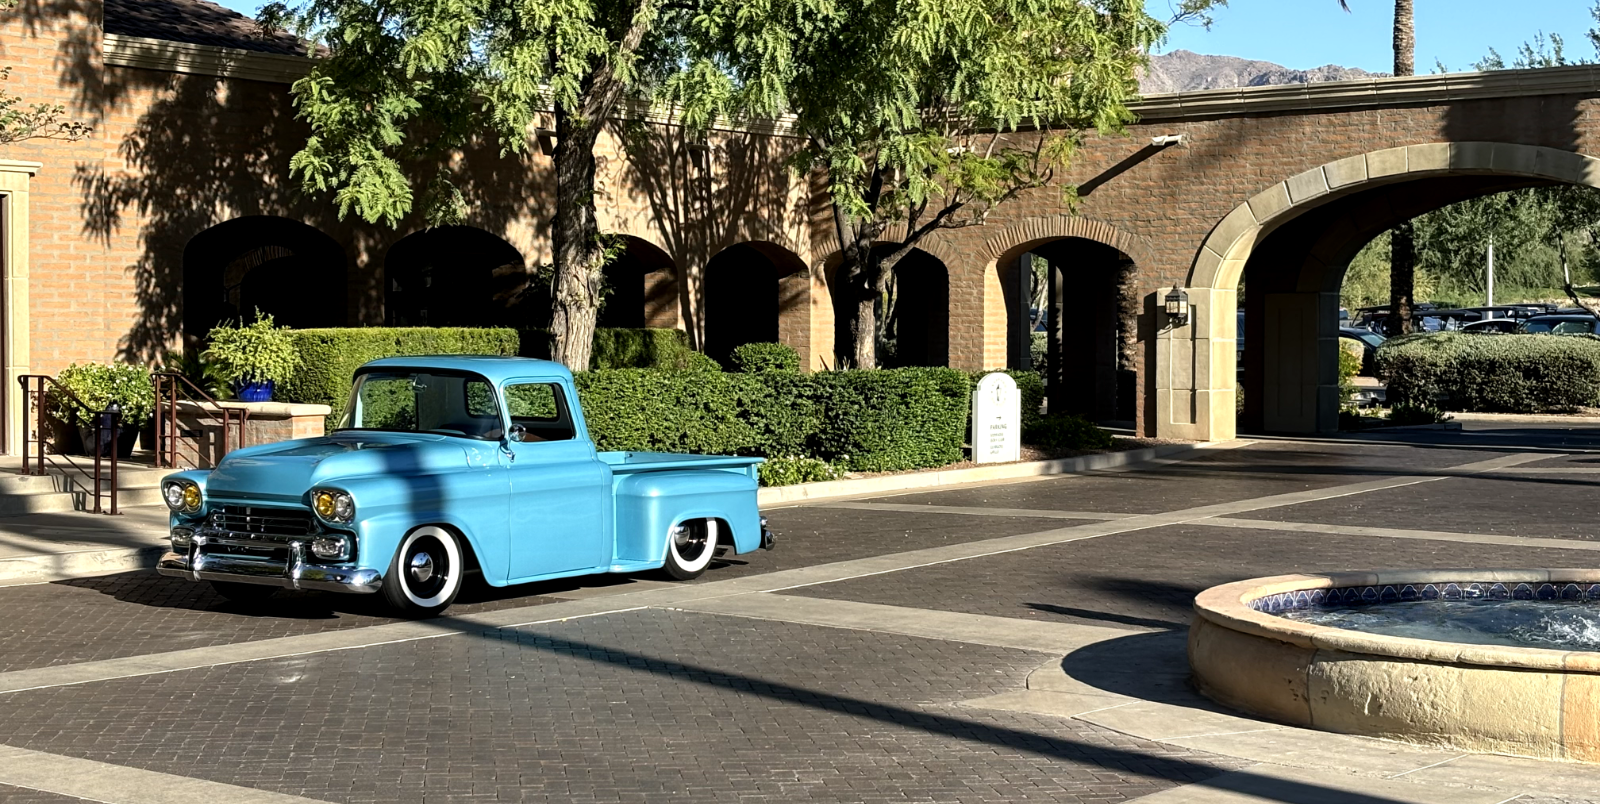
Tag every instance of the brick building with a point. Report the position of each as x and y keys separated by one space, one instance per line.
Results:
x=179 y=212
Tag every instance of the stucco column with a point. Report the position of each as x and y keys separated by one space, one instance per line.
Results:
x=14 y=322
x=1194 y=367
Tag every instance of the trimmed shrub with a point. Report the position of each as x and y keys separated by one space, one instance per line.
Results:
x=873 y=421
x=1407 y=414
x=645 y=410
x=1066 y=432
x=754 y=357
x=792 y=470
x=99 y=385
x=616 y=348
x=892 y=419
x=329 y=356
x=1503 y=373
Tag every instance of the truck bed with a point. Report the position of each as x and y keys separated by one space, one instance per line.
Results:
x=623 y=463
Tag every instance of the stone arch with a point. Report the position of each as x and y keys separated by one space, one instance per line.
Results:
x=280 y=266
x=1296 y=237
x=1049 y=227
x=1220 y=261
x=927 y=274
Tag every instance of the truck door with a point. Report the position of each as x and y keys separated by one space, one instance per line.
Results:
x=560 y=491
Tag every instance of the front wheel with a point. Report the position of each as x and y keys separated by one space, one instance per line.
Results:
x=690 y=546
x=425 y=575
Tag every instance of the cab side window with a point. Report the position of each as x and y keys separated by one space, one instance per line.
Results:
x=539 y=412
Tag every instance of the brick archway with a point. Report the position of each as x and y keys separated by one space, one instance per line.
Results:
x=1359 y=196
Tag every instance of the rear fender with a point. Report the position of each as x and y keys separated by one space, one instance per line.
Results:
x=649 y=504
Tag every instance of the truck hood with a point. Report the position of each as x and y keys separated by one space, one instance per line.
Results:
x=288 y=469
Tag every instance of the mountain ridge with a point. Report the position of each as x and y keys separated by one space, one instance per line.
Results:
x=1187 y=71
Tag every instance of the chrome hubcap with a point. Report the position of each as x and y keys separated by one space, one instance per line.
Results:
x=422 y=567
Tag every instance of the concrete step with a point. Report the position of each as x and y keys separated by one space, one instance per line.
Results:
x=65 y=488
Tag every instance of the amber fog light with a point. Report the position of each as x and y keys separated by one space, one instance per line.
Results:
x=332 y=548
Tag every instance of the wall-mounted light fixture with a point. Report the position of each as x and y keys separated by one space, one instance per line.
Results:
x=547 y=141
x=1177 y=307
x=1167 y=139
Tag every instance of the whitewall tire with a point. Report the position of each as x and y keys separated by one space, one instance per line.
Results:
x=426 y=572
x=691 y=546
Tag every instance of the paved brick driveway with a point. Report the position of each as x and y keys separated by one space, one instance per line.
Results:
x=616 y=701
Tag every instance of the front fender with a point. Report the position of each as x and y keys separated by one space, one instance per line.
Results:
x=388 y=507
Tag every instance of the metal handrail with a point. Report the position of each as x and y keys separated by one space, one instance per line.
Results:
x=167 y=433
x=110 y=419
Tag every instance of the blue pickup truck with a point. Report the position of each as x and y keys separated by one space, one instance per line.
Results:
x=445 y=466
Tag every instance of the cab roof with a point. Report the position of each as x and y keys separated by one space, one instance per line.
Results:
x=494 y=368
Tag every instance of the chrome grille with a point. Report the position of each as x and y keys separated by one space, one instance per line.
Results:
x=269 y=523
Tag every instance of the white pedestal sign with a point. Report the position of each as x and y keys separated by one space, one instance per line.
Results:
x=996 y=420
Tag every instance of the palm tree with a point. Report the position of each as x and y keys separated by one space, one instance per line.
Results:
x=1402 y=238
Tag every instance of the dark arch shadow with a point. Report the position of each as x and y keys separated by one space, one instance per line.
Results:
x=744 y=295
x=642 y=287
x=281 y=267
x=456 y=276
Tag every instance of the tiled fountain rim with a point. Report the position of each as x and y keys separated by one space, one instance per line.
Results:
x=1234 y=606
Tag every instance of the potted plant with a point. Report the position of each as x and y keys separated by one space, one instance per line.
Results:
x=252 y=357
x=94 y=388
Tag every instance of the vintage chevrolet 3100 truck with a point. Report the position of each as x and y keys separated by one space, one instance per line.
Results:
x=447 y=465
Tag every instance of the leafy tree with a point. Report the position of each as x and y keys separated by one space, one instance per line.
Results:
x=404 y=85
x=923 y=116
x=21 y=121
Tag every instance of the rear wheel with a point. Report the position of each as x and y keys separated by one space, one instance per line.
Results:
x=426 y=572
x=243 y=592
x=690 y=546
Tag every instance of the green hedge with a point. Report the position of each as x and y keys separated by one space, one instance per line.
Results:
x=753 y=357
x=858 y=420
x=328 y=357
x=642 y=348
x=1492 y=373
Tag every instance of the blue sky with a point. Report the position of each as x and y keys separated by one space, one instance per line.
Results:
x=1310 y=33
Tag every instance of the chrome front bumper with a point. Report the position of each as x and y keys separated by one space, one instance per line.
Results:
x=198 y=565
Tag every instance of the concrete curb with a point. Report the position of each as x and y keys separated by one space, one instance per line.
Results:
x=834 y=489
x=1526 y=418
x=1407 y=428
x=49 y=567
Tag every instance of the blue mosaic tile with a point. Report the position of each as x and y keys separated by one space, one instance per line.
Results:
x=1498 y=591
x=1409 y=592
x=1452 y=591
x=1572 y=591
x=1522 y=591
x=1546 y=592
x=1430 y=592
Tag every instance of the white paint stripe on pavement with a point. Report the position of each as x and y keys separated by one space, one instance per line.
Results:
x=355 y=638
x=1042 y=513
x=119 y=784
x=1400 y=533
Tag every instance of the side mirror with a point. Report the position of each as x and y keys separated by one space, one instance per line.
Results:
x=517 y=433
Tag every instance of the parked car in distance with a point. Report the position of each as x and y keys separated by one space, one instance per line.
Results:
x=445 y=465
x=1368 y=342
x=1493 y=326
x=1563 y=323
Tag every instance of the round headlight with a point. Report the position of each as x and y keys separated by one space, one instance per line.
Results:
x=182 y=496
x=333 y=505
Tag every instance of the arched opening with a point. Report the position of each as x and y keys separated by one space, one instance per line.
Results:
x=459 y=276
x=281 y=267
x=1291 y=246
x=752 y=293
x=642 y=288
x=1069 y=292
x=915 y=314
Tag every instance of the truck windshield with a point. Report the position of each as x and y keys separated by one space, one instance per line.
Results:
x=424 y=402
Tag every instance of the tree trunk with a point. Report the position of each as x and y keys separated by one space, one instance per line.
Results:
x=1402 y=277
x=859 y=306
x=579 y=257
x=1405 y=39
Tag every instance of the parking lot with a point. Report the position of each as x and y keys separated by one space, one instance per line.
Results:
x=1004 y=642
